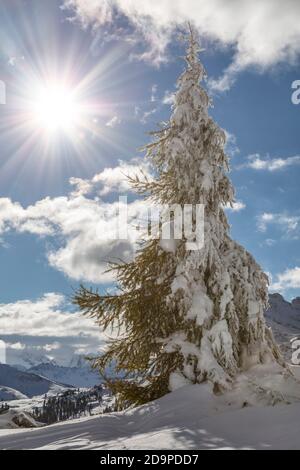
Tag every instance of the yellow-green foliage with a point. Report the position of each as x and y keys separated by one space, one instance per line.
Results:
x=140 y=320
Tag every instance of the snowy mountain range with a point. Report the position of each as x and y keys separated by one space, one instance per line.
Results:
x=76 y=373
x=25 y=360
x=76 y=376
x=8 y=394
x=26 y=383
x=202 y=421
x=283 y=312
x=38 y=375
x=284 y=319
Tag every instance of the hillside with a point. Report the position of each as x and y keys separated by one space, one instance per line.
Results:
x=284 y=319
x=27 y=383
x=15 y=419
x=7 y=394
x=190 y=418
x=283 y=312
x=75 y=376
x=261 y=412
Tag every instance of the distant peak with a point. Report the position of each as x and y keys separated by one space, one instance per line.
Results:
x=296 y=302
x=277 y=296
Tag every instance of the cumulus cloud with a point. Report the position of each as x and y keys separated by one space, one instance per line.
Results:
x=45 y=329
x=169 y=98
x=86 y=258
x=271 y=164
x=237 y=206
x=47 y=316
x=288 y=223
x=85 y=229
x=111 y=179
x=88 y=232
x=289 y=279
x=231 y=146
x=261 y=34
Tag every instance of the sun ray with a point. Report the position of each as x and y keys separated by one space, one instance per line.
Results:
x=60 y=97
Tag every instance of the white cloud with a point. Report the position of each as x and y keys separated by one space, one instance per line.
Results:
x=231 y=146
x=263 y=220
x=45 y=329
x=111 y=179
x=14 y=216
x=46 y=316
x=81 y=186
x=83 y=258
x=271 y=164
x=153 y=93
x=261 y=34
x=51 y=347
x=169 y=97
x=225 y=82
x=17 y=346
x=84 y=228
x=289 y=279
x=113 y=122
x=90 y=239
x=270 y=242
x=147 y=114
x=236 y=206
x=288 y=223
x=115 y=179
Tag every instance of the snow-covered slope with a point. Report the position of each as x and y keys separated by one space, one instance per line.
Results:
x=190 y=418
x=24 y=360
x=284 y=319
x=78 y=360
x=15 y=419
x=8 y=394
x=80 y=376
x=27 y=383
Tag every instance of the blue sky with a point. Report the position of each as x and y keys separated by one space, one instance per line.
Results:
x=126 y=76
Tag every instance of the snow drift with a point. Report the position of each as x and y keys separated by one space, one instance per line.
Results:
x=189 y=418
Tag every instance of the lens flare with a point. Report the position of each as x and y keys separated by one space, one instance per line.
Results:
x=55 y=109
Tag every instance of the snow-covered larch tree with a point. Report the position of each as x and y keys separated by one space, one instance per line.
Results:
x=186 y=316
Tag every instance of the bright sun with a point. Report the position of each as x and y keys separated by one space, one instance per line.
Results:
x=55 y=109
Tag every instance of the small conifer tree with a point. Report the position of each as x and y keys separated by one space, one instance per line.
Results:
x=185 y=316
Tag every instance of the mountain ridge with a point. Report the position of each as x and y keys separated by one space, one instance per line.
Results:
x=27 y=383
